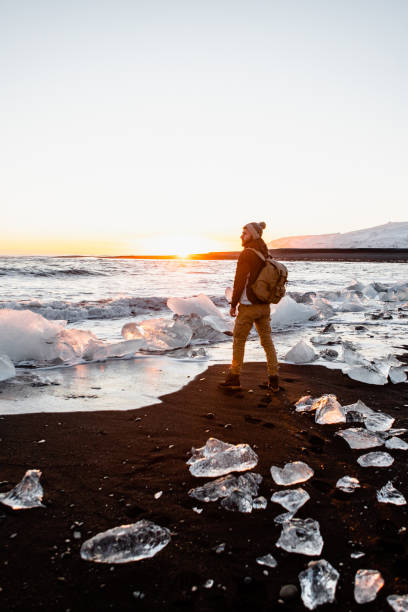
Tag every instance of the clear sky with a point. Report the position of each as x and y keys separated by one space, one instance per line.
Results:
x=132 y=126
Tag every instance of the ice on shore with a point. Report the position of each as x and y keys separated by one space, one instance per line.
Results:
x=131 y=331
x=288 y=312
x=397 y=375
x=318 y=584
x=165 y=334
x=329 y=410
x=367 y=583
x=304 y=404
x=348 y=484
x=291 y=499
x=202 y=306
x=375 y=459
x=301 y=536
x=217 y=458
x=28 y=493
x=302 y=352
x=325 y=339
x=359 y=437
x=358 y=408
x=237 y=501
x=291 y=473
x=388 y=494
x=399 y=603
x=379 y=421
x=7 y=369
x=396 y=443
x=224 y=486
x=126 y=543
x=267 y=560
x=207 y=329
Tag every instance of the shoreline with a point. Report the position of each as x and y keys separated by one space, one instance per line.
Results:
x=102 y=469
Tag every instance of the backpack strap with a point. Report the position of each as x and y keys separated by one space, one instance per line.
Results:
x=257 y=252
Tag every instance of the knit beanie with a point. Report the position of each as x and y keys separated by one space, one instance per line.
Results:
x=255 y=229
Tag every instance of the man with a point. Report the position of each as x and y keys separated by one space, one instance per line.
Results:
x=250 y=310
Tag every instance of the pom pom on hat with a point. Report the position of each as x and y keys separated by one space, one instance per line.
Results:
x=255 y=229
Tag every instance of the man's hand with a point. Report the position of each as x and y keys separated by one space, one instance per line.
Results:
x=233 y=311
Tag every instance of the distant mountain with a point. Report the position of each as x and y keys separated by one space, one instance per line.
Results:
x=388 y=236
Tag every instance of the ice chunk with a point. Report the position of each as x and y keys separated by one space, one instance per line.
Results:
x=291 y=473
x=165 y=334
x=126 y=543
x=301 y=536
x=259 y=503
x=322 y=306
x=388 y=494
x=249 y=483
x=217 y=458
x=399 y=603
x=352 y=303
x=211 y=491
x=397 y=375
x=304 y=404
x=318 y=584
x=283 y=518
x=302 y=352
x=329 y=354
x=267 y=560
x=200 y=305
x=367 y=583
x=27 y=494
x=379 y=421
x=325 y=339
x=291 y=499
x=131 y=331
x=187 y=354
x=396 y=443
x=357 y=555
x=375 y=459
x=371 y=374
x=358 y=437
x=359 y=407
x=328 y=410
x=203 y=331
x=7 y=369
x=348 y=484
x=238 y=501
x=288 y=312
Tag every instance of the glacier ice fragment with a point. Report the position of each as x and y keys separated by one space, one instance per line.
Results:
x=396 y=443
x=388 y=494
x=237 y=501
x=329 y=410
x=280 y=519
x=28 y=493
x=378 y=421
x=126 y=543
x=348 y=484
x=367 y=583
x=325 y=339
x=267 y=560
x=259 y=503
x=368 y=375
x=7 y=369
x=217 y=458
x=397 y=375
x=359 y=437
x=375 y=459
x=211 y=491
x=291 y=499
x=301 y=536
x=318 y=584
x=301 y=353
x=399 y=603
x=304 y=404
x=164 y=334
x=131 y=331
x=291 y=473
x=360 y=408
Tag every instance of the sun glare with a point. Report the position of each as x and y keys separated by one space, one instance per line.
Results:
x=180 y=245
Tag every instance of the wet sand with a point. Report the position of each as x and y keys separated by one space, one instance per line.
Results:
x=102 y=469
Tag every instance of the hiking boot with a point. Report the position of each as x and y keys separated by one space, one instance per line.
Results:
x=272 y=384
x=231 y=383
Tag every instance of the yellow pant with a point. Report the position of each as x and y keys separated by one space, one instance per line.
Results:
x=247 y=316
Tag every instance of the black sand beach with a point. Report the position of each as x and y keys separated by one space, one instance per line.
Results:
x=102 y=469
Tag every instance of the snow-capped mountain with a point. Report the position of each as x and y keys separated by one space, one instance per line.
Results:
x=388 y=236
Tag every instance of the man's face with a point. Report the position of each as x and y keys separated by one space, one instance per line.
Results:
x=245 y=236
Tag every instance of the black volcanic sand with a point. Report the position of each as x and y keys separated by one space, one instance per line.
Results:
x=102 y=469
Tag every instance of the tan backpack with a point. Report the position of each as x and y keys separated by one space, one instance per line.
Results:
x=270 y=287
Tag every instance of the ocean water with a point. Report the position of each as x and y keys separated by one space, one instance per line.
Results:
x=101 y=295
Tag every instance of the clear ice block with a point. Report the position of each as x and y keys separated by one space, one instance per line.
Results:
x=348 y=484
x=211 y=491
x=267 y=560
x=217 y=458
x=375 y=459
x=238 y=501
x=291 y=473
x=399 y=603
x=329 y=410
x=388 y=494
x=379 y=421
x=359 y=437
x=396 y=443
x=318 y=584
x=28 y=493
x=301 y=536
x=259 y=503
x=367 y=583
x=126 y=543
x=292 y=499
